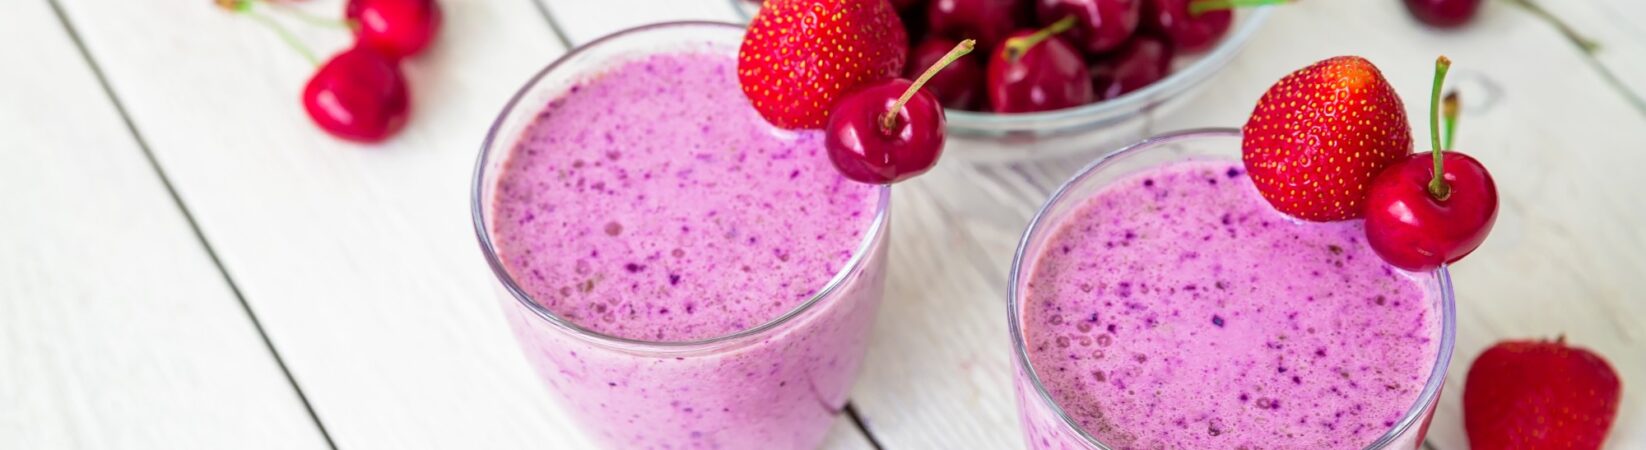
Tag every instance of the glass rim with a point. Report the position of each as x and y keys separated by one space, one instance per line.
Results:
x=1413 y=414
x=860 y=254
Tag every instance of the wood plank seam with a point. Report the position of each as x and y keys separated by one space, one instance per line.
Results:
x=188 y=216
x=554 y=25
x=857 y=421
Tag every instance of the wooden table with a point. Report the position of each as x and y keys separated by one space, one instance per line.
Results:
x=186 y=262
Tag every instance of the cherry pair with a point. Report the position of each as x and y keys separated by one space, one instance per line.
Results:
x=360 y=94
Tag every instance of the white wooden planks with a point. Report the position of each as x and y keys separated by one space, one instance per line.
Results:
x=585 y=20
x=1615 y=25
x=116 y=331
x=359 y=261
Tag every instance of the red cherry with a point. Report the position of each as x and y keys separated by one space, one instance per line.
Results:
x=1443 y=13
x=890 y=130
x=1036 y=71
x=987 y=21
x=1189 y=32
x=958 y=85
x=397 y=28
x=1100 y=25
x=1143 y=61
x=1417 y=220
x=1414 y=230
x=358 y=95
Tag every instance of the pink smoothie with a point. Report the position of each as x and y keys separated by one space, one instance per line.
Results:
x=651 y=202
x=1176 y=309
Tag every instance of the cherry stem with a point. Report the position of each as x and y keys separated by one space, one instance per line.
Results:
x=1437 y=185
x=1448 y=113
x=1199 y=7
x=245 y=7
x=888 y=121
x=305 y=16
x=1017 y=46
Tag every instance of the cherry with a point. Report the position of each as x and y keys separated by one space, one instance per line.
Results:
x=1420 y=216
x=1143 y=61
x=891 y=130
x=987 y=21
x=1189 y=32
x=1100 y=25
x=396 y=28
x=959 y=85
x=1443 y=13
x=1036 y=71
x=358 y=95
x=1194 y=25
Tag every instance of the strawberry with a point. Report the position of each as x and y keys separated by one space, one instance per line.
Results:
x=801 y=55
x=1319 y=136
x=1539 y=395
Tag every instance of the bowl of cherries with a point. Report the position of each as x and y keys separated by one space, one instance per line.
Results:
x=1062 y=77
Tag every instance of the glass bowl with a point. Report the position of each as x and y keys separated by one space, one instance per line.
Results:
x=982 y=137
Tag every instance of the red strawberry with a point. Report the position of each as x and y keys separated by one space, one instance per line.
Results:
x=801 y=55
x=1319 y=136
x=1539 y=395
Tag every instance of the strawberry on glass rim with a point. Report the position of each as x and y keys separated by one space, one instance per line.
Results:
x=1318 y=137
x=800 y=56
x=1431 y=209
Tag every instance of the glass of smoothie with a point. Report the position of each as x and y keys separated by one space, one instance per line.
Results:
x=1158 y=301
x=680 y=273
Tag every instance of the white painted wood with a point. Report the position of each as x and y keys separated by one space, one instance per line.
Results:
x=116 y=331
x=586 y=20
x=1559 y=140
x=358 y=260
x=1616 y=26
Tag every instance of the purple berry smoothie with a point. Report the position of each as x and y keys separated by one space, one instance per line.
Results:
x=1175 y=308
x=650 y=202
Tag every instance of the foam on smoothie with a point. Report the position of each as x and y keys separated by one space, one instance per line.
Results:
x=652 y=202
x=1177 y=309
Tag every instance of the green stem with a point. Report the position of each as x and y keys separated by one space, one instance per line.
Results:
x=305 y=16
x=1198 y=7
x=1437 y=185
x=888 y=121
x=286 y=35
x=1588 y=46
x=1017 y=46
x=1448 y=113
x=245 y=7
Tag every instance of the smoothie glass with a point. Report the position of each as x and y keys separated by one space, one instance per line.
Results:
x=777 y=385
x=1046 y=424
